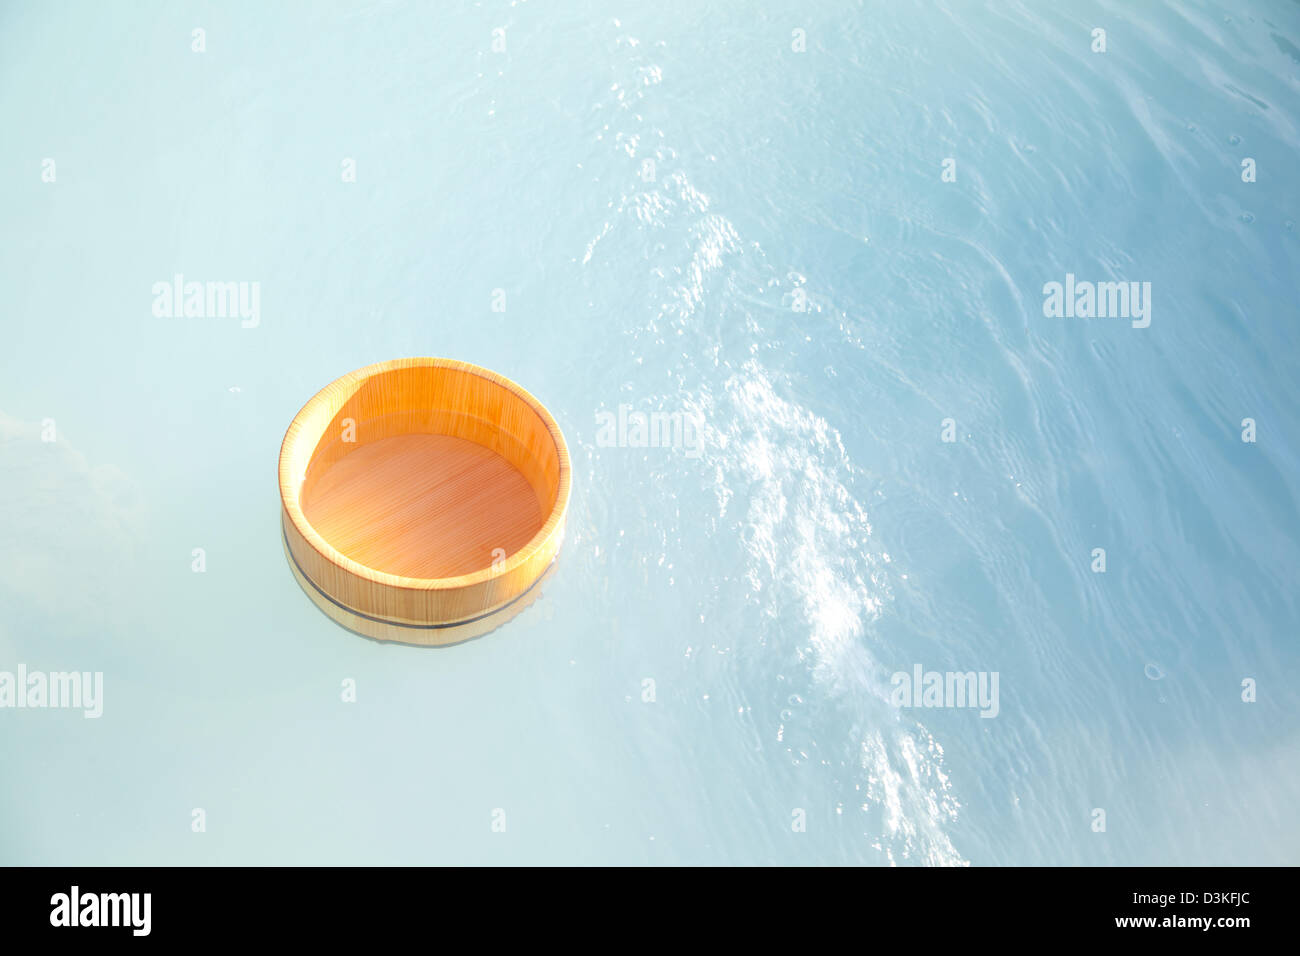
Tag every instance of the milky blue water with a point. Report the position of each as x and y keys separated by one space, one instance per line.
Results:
x=738 y=212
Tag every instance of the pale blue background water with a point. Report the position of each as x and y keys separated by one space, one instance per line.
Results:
x=825 y=538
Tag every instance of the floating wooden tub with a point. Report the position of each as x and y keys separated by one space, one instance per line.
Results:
x=423 y=499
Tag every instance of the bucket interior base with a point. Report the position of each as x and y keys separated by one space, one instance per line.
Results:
x=424 y=506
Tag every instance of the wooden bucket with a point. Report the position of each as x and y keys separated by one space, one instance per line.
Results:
x=423 y=499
